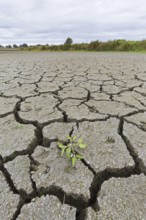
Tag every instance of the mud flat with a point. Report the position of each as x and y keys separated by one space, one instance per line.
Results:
x=47 y=96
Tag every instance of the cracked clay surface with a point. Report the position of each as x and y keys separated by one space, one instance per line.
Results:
x=101 y=97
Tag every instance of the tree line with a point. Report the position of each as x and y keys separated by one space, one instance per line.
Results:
x=111 y=45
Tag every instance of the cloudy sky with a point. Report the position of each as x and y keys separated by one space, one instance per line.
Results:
x=52 y=21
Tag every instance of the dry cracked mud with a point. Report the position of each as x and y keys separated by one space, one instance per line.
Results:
x=101 y=97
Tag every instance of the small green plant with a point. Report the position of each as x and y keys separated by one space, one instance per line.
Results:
x=70 y=149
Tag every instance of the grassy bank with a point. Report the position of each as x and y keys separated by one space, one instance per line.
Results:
x=115 y=45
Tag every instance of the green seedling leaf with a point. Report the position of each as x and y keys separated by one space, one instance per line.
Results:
x=69 y=145
x=82 y=145
x=73 y=160
x=74 y=138
x=79 y=156
x=19 y=126
x=69 y=138
x=61 y=145
x=62 y=152
x=68 y=152
x=80 y=141
x=69 y=149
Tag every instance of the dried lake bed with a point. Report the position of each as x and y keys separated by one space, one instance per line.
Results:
x=47 y=96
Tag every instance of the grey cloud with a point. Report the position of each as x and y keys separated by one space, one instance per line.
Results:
x=51 y=21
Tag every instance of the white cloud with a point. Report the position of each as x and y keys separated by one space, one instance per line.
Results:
x=52 y=21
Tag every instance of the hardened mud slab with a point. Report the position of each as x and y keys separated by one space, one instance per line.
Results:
x=47 y=87
x=14 y=136
x=105 y=148
x=7 y=105
x=137 y=138
x=132 y=99
x=142 y=89
x=138 y=120
x=76 y=110
x=19 y=168
x=8 y=200
x=7 y=86
x=73 y=92
x=41 y=108
x=23 y=90
x=123 y=198
x=48 y=208
x=100 y=96
x=111 y=108
x=56 y=171
x=58 y=131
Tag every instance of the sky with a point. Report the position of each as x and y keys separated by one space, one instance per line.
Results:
x=52 y=21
